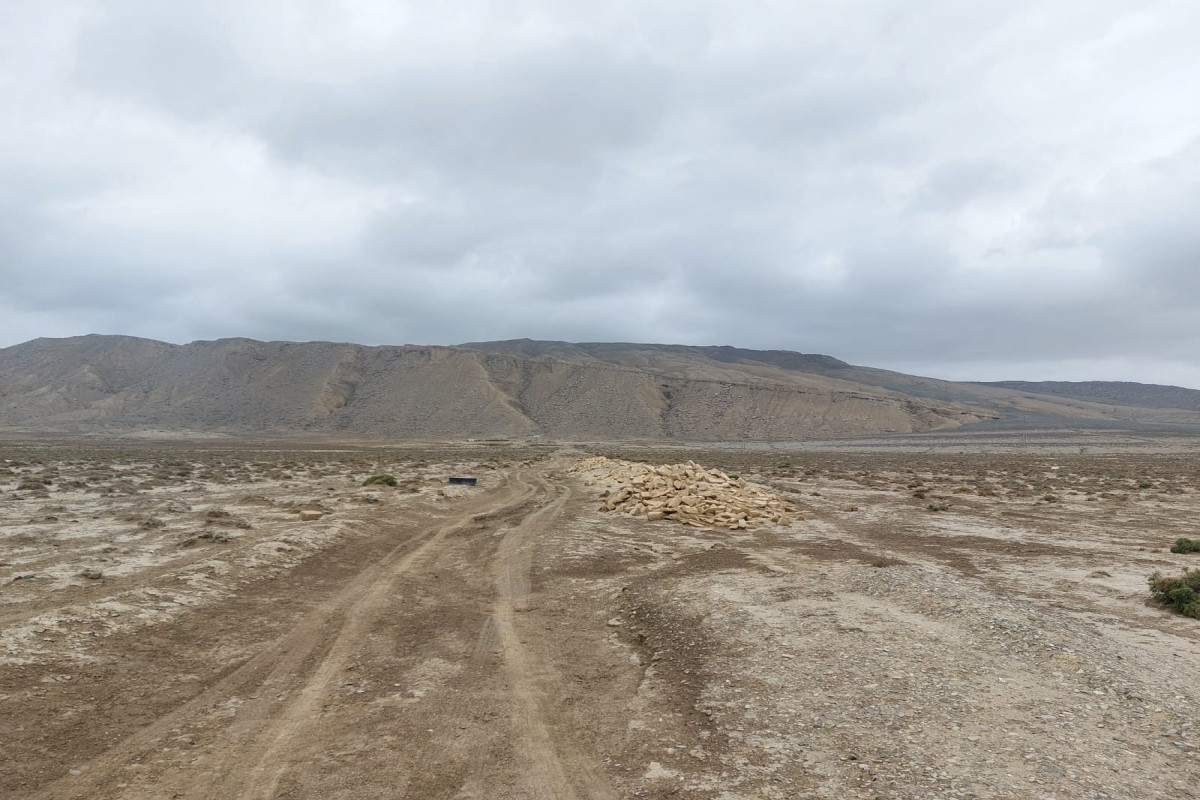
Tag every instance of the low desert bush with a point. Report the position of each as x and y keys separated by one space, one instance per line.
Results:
x=1186 y=545
x=938 y=506
x=1182 y=593
x=389 y=480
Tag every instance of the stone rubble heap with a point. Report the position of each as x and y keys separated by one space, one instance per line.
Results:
x=688 y=493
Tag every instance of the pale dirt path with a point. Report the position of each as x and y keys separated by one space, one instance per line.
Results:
x=267 y=722
x=554 y=770
x=257 y=770
x=288 y=680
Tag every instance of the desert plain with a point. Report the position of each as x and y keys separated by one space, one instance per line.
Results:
x=928 y=617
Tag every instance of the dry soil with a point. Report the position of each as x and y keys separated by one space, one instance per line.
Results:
x=206 y=623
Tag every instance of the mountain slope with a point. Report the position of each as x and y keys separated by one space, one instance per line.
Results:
x=1117 y=393
x=519 y=388
x=1108 y=403
x=120 y=384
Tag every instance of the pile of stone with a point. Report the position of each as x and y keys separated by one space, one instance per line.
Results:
x=688 y=493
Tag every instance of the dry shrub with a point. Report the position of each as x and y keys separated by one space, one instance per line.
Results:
x=1182 y=593
x=388 y=480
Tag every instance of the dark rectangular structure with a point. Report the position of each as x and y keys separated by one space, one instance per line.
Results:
x=462 y=480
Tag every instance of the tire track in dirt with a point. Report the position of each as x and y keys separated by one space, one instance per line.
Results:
x=459 y=704
x=554 y=769
x=533 y=758
x=285 y=735
x=322 y=639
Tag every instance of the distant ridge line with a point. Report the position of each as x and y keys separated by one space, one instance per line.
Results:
x=591 y=391
x=1121 y=393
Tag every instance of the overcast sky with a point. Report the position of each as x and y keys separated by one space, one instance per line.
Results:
x=965 y=190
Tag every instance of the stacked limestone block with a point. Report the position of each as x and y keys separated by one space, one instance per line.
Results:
x=687 y=493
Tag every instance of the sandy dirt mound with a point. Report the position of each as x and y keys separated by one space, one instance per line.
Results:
x=687 y=493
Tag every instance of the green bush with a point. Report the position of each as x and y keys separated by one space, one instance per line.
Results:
x=390 y=480
x=1182 y=593
x=938 y=506
x=1186 y=545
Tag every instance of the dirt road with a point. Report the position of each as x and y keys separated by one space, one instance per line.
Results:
x=512 y=641
x=291 y=721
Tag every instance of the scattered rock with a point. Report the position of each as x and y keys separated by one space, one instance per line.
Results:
x=686 y=493
x=223 y=518
x=217 y=536
x=92 y=574
x=657 y=770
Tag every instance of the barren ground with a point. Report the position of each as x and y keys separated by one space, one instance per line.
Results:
x=171 y=627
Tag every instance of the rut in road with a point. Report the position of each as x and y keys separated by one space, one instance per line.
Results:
x=292 y=710
x=494 y=733
x=285 y=743
x=281 y=743
x=314 y=650
x=555 y=770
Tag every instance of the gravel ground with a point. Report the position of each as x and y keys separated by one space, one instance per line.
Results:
x=953 y=625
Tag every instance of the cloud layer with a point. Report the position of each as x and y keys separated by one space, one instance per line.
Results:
x=965 y=191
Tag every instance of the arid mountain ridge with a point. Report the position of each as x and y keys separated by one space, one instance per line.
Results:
x=516 y=389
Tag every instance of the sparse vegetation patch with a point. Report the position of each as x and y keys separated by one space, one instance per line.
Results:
x=1182 y=593
x=1185 y=545
x=388 y=480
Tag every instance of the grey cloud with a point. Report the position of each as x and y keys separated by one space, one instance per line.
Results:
x=175 y=57
x=956 y=183
x=547 y=117
x=820 y=110
x=930 y=185
x=1160 y=254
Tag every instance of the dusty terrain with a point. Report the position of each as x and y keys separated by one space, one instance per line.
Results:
x=199 y=622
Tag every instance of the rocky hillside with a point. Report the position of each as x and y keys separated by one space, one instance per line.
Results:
x=1117 y=393
x=122 y=384
x=1017 y=404
x=514 y=389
